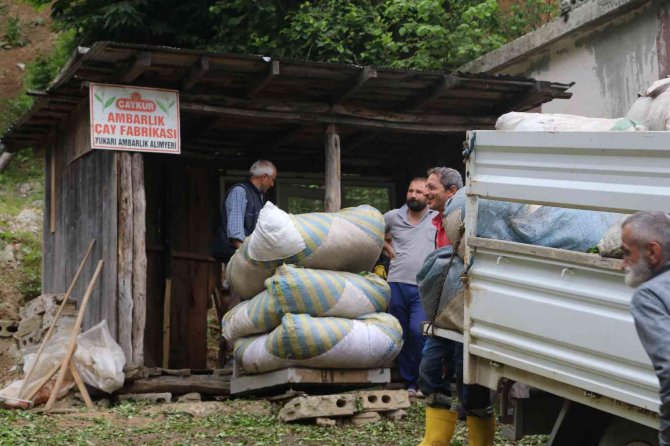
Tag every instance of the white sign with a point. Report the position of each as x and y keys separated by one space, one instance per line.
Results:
x=136 y=119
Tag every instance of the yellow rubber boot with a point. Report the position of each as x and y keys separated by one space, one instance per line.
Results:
x=481 y=431
x=440 y=425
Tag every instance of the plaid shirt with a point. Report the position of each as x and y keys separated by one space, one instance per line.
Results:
x=236 y=205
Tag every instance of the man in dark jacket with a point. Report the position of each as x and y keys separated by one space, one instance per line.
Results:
x=239 y=212
x=645 y=241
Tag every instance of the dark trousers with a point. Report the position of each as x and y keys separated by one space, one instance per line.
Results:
x=406 y=307
x=442 y=360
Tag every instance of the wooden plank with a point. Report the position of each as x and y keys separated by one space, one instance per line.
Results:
x=52 y=190
x=125 y=258
x=109 y=235
x=195 y=73
x=372 y=122
x=581 y=258
x=139 y=284
x=333 y=193
x=258 y=84
x=293 y=376
x=203 y=384
x=354 y=85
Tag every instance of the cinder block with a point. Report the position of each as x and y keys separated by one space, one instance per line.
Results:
x=8 y=328
x=152 y=397
x=27 y=326
x=318 y=406
x=383 y=400
x=365 y=418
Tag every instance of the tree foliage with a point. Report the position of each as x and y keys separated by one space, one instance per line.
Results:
x=425 y=34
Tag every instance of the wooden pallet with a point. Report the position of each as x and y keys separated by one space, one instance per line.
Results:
x=307 y=378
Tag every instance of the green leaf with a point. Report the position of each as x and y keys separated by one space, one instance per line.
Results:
x=98 y=98
x=162 y=106
x=109 y=102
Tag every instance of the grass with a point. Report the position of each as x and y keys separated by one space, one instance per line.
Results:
x=132 y=424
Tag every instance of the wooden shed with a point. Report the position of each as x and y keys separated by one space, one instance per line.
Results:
x=153 y=216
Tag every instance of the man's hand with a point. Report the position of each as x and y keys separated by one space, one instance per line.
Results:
x=388 y=250
x=236 y=243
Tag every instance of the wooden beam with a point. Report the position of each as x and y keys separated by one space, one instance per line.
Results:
x=378 y=121
x=139 y=259
x=125 y=255
x=257 y=85
x=132 y=69
x=353 y=85
x=333 y=193
x=448 y=81
x=195 y=73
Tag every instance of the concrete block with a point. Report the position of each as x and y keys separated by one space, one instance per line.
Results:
x=383 y=400
x=322 y=421
x=395 y=415
x=27 y=326
x=8 y=328
x=157 y=398
x=318 y=406
x=365 y=418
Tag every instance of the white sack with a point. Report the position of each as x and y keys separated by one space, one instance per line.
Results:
x=541 y=122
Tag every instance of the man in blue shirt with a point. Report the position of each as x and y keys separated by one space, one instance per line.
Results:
x=645 y=240
x=241 y=207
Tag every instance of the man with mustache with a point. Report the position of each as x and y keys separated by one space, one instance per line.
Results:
x=645 y=241
x=409 y=239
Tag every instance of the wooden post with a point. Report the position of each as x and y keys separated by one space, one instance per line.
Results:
x=125 y=259
x=333 y=193
x=139 y=260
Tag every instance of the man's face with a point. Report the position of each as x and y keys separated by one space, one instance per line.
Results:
x=416 y=196
x=267 y=181
x=636 y=262
x=436 y=194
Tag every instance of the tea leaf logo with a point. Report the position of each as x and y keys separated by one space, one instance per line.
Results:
x=104 y=103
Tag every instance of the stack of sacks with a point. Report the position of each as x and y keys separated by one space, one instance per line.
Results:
x=321 y=318
x=571 y=229
x=652 y=108
x=348 y=240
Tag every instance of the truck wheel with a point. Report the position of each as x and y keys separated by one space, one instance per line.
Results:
x=622 y=432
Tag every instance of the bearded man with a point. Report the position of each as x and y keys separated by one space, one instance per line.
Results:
x=410 y=237
x=645 y=241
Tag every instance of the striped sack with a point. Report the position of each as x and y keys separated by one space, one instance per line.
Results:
x=348 y=240
x=373 y=340
x=315 y=292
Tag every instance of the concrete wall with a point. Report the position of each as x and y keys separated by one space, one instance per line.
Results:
x=609 y=63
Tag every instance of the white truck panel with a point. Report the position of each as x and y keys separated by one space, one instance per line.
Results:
x=559 y=318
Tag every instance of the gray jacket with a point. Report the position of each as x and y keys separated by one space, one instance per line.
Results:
x=651 y=310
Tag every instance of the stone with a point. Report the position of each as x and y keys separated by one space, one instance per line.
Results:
x=395 y=415
x=104 y=403
x=383 y=400
x=24 y=188
x=7 y=255
x=28 y=220
x=323 y=421
x=189 y=397
x=35 y=307
x=157 y=398
x=365 y=418
x=318 y=406
x=29 y=325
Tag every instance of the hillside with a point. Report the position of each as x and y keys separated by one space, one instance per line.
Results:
x=24 y=34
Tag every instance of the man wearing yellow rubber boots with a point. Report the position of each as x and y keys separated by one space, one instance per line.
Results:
x=442 y=359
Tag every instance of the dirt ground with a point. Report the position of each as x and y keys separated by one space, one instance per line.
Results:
x=36 y=27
